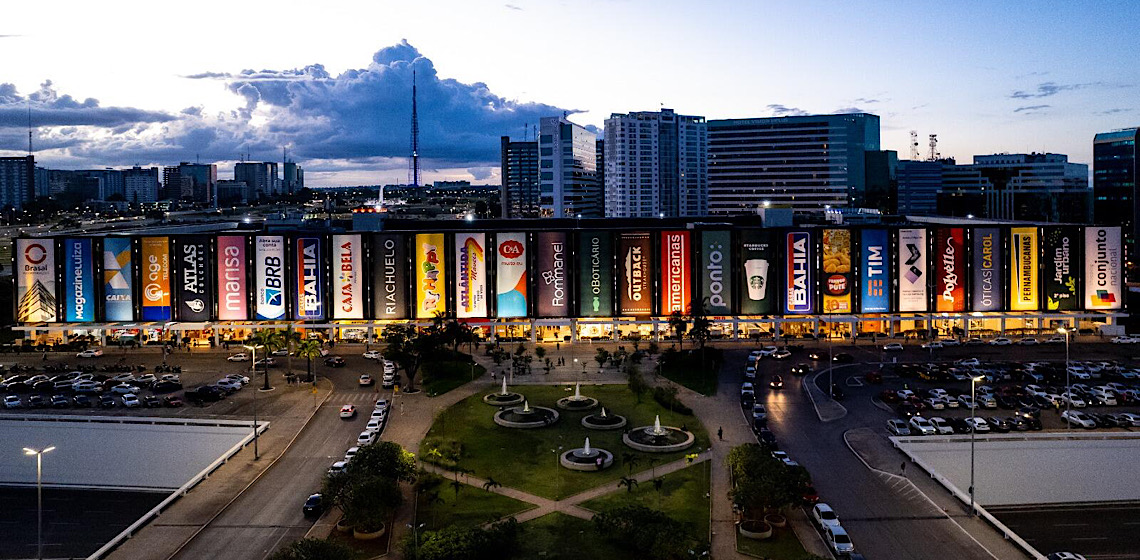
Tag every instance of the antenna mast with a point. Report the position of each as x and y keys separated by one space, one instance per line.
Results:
x=934 y=148
x=29 y=129
x=914 y=145
x=414 y=167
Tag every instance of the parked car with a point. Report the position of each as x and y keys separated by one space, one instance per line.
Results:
x=367 y=437
x=338 y=468
x=894 y=347
x=838 y=540
x=239 y=357
x=13 y=401
x=171 y=401
x=1078 y=418
x=106 y=401
x=978 y=425
x=824 y=516
x=372 y=355
x=999 y=425
x=90 y=353
x=932 y=345
x=781 y=354
x=352 y=451
x=843 y=358
x=314 y=505
x=237 y=377
x=941 y=426
x=381 y=404
x=151 y=401
x=389 y=380
x=898 y=427
x=131 y=401
x=759 y=412
x=921 y=426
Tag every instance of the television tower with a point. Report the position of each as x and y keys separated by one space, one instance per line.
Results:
x=414 y=164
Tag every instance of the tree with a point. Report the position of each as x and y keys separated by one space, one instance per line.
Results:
x=368 y=490
x=499 y=540
x=631 y=460
x=309 y=349
x=648 y=532
x=629 y=482
x=539 y=352
x=761 y=482
x=272 y=341
x=408 y=347
x=315 y=549
x=491 y=484
x=678 y=324
x=602 y=356
x=636 y=383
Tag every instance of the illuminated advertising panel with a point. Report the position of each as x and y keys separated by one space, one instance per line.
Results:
x=1103 y=268
x=676 y=278
x=470 y=275
x=986 y=291
x=118 y=280
x=195 y=295
x=431 y=275
x=552 y=297
x=35 y=281
x=875 y=272
x=309 y=304
x=837 y=278
x=758 y=260
x=595 y=274
x=1063 y=246
x=798 y=279
x=389 y=276
x=347 y=273
x=156 y=279
x=716 y=272
x=950 y=269
x=510 y=275
x=233 y=298
x=78 y=281
x=635 y=274
x=1023 y=269
x=912 y=270
x=269 y=258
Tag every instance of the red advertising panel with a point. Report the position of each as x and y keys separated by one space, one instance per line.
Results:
x=676 y=278
x=233 y=303
x=950 y=269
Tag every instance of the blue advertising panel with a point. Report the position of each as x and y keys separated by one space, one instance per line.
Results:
x=309 y=305
x=118 y=280
x=78 y=284
x=875 y=276
x=798 y=273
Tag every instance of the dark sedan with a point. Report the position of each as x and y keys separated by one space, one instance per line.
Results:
x=334 y=361
x=313 y=506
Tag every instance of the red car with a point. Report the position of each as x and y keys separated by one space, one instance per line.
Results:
x=172 y=402
x=810 y=496
x=874 y=377
x=889 y=396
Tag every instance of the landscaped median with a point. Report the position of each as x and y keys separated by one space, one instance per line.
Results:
x=764 y=488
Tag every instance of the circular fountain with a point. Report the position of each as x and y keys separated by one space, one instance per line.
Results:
x=587 y=458
x=503 y=397
x=577 y=401
x=658 y=438
x=603 y=421
x=526 y=416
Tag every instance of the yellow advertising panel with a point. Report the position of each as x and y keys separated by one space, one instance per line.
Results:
x=1023 y=269
x=431 y=275
x=837 y=278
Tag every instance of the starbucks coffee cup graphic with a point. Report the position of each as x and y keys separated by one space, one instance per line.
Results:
x=757 y=272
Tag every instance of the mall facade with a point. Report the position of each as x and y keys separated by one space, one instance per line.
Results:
x=520 y=281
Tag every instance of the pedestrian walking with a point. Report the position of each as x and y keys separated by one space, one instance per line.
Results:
x=902 y=468
x=720 y=434
x=45 y=355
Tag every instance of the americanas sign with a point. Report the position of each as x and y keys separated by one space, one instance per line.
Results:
x=837 y=278
x=798 y=279
x=348 y=287
x=950 y=294
x=431 y=277
x=470 y=275
x=510 y=275
x=676 y=286
x=310 y=302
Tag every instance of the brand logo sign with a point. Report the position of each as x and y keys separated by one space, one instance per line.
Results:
x=595 y=277
x=875 y=274
x=309 y=305
x=470 y=275
x=635 y=274
x=118 y=280
x=431 y=276
x=676 y=283
x=156 y=279
x=1062 y=266
x=716 y=276
x=78 y=281
x=194 y=291
x=510 y=275
x=1103 y=268
x=232 y=295
x=986 y=291
x=799 y=282
x=347 y=287
x=269 y=258
x=912 y=270
x=390 y=276
x=35 y=281
x=759 y=267
x=553 y=297
x=950 y=292
x=837 y=271
x=1023 y=269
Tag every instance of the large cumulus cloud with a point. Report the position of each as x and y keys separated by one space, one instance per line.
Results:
x=47 y=107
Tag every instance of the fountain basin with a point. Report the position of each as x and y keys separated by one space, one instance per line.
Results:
x=500 y=399
x=578 y=460
x=607 y=422
x=646 y=439
x=577 y=403
x=523 y=417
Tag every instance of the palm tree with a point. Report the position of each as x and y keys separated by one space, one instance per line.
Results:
x=271 y=340
x=309 y=349
x=629 y=482
x=678 y=323
x=631 y=460
x=457 y=486
x=491 y=484
x=292 y=339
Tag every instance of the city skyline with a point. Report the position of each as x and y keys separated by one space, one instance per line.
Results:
x=346 y=118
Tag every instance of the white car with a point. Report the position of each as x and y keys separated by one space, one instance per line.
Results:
x=229 y=384
x=893 y=347
x=389 y=367
x=378 y=414
x=123 y=389
x=767 y=351
x=1073 y=400
x=381 y=404
x=922 y=426
x=784 y=458
x=374 y=425
x=90 y=353
x=241 y=357
x=935 y=403
x=932 y=345
x=12 y=401
x=939 y=393
x=366 y=380
x=1000 y=341
x=969 y=362
x=1131 y=417
x=753 y=355
x=987 y=400
x=950 y=342
x=759 y=412
x=239 y=378
x=750 y=372
x=1057 y=339
x=978 y=425
x=1079 y=418
x=1125 y=339
x=781 y=354
x=147 y=379
x=367 y=437
x=942 y=426
x=839 y=541
x=348 y=455
x=131 y=401
x=347 y=411
x=898 y=427
x=824 y=516
x=338 y=467
x=388 y=381
x=86 y=386
x=905 y=394
x=372 y=355
x=1035 y=390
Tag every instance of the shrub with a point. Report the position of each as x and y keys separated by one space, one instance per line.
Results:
x=473 y=543
x=315 y=549
x=646 y=531
x=667 y=397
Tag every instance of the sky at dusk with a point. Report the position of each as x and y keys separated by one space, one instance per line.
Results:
x=154 y=83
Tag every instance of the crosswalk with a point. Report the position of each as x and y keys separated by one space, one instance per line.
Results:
x=357 y=397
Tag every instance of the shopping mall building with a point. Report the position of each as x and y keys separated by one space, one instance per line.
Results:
x=571 y=280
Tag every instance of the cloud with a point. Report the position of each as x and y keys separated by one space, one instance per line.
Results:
x=864 y=101
x=1048 y=89
x=785 y=111
x=849 y=110
x=209 y=76
x=1113 y=111
x=49 y=108
x=512 y=7
x=1029 y=109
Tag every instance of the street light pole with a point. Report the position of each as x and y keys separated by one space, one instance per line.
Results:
x=253 y=372
x=973 y=416
x=1068 y=385
x=39 y=497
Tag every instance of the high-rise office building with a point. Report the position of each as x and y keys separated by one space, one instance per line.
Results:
x=804 y=162
x=600 y=166
x=17 y=181
x=568 y=185
x=1030 y=187
x=140 y=184
x=519 y=174
x=1115 y=165
x=175 y=185
x=261 y=177
x=293 y=177
x=919 y=183
x=203 y=180
x=656 y=164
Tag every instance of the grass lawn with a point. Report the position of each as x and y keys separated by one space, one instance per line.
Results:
x=686 y=369
x=782 y=546
x=683 y=497
x=528 y=459
x=474 y=506
x=443 y=376
x=557 y=536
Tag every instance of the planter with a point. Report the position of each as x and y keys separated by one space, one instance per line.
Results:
x=776 y=520
x=343 y=526
x=363 y=536
x=757 y=530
